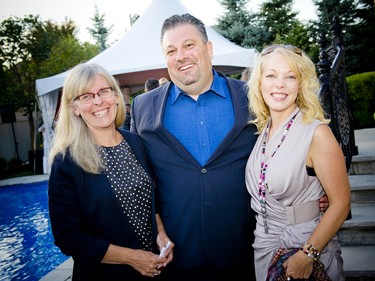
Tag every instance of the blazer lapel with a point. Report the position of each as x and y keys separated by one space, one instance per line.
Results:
x=238 y=93
x=159 y=101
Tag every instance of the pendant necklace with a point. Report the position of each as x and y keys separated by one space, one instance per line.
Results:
x=263 y=168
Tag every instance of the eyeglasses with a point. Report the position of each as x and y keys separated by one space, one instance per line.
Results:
x=272 y=48
x=87 y=98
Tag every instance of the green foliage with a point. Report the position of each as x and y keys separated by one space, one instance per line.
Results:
x=277 y=17
x=239 y=25
x=46 y=35
x=25 y=49
x=357 y=20
x=5 y=86
x=100 y=32
x=361 y=91
x=277 y=23
x=65 y=54
x=16 y=37
x=359 y=40
x=300 y=36
x=133 y=19
x=328 y=9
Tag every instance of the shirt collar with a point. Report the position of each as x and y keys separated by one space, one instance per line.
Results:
x=217 y=87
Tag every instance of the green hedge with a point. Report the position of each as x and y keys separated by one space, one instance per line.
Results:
x=361 y=93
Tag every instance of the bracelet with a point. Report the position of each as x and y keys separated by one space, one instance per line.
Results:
x=309 y=249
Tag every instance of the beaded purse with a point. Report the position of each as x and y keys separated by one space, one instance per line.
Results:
x=276 y=271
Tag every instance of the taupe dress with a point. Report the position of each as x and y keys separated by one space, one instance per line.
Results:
x=288 y=185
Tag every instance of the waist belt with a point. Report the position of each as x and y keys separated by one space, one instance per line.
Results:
x=302 y=213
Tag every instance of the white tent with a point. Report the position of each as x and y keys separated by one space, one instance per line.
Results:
x=137 y=56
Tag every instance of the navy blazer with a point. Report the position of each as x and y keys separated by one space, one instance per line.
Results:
x=86 y=217
x=205 y=209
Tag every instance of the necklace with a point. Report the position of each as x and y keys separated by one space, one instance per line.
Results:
x=262 y=185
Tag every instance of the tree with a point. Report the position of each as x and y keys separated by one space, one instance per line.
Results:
x=100 y=32
x=16 y=37
x=277 y=17
x=66 y=53
x=26 y=44
x=328 y=9
x=357 y=21
x=275 y=23
x=133 y=19
x=301 y=35
x=237 y=24
x=46 y=35
x=359 y=42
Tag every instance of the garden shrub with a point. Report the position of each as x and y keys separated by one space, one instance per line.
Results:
x=361 y=94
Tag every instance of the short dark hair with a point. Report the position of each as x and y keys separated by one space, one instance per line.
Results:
x=151 y=84
x=177 y=20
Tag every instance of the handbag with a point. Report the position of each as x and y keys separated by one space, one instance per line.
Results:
x=276 y=270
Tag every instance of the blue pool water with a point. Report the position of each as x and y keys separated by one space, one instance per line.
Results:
x=27 y=251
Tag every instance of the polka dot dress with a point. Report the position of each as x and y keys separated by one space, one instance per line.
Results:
x=132 y=187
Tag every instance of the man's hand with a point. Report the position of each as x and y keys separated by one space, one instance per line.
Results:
x=323 y=203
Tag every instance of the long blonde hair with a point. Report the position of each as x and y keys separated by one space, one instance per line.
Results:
x=307 y=98
x=71 y=132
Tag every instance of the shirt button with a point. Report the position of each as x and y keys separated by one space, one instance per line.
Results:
x=204 y=144
x=201 y=123
x=204 y=171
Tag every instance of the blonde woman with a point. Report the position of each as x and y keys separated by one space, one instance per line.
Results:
x=295 y=161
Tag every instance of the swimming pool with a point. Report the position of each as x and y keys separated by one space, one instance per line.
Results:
x=27 y=251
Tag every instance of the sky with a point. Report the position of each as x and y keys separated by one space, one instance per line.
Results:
x=116 y=12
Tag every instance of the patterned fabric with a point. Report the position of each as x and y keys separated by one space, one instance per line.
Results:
x=276 y=271
x=132 y=187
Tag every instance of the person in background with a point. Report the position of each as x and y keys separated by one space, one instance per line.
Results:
x=295 y=161
x=163 y=81
x=100 y=190
x=151 y=84
x=126 y=125
x=245 y=74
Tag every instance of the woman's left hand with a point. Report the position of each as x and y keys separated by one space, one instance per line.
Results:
x=298 y=266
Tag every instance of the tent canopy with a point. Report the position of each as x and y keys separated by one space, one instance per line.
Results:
x=138 y=56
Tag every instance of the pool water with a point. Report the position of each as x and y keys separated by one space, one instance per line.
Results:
x=27 y=251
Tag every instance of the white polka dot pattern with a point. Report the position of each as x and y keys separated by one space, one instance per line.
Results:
x=132 y=187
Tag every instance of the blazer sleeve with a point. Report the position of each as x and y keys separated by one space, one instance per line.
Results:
x=64 y=185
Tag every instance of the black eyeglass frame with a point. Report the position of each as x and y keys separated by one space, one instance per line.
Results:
x=99 y=93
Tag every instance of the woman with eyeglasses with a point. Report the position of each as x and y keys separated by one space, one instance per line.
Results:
x=101 y=193
x=295 y=161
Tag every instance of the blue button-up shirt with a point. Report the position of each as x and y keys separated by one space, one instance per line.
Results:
x=200 y=125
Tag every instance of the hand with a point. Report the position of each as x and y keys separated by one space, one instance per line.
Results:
x=298 y=266
x=166 y=251
x=323 y=203
x=146 y=262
